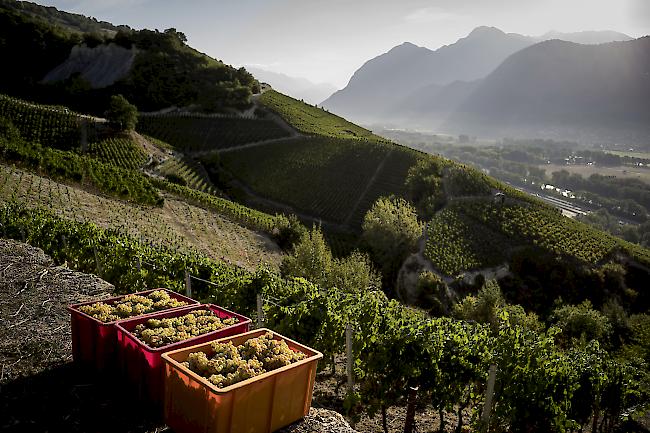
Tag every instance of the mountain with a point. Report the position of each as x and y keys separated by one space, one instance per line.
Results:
x=390 y=77
x=562 y=89
x=396 y=84
x=299 y=88
x=587 y=37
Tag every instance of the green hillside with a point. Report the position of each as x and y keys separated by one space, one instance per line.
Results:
x=324 y=177
x=165 y=72
x=311 y=120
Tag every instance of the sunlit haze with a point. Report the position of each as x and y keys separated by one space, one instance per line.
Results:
x=328 y=41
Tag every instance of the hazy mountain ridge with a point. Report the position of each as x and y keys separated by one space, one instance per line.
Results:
x=297 y=87
x=392 y=76
x=410 y=83
x=558 y=88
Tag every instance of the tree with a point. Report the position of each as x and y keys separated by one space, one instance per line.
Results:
x=311 y=259
x=354 y=273
x=121 y=113
x=391 y=230
x=582 y=322
x=424 y=185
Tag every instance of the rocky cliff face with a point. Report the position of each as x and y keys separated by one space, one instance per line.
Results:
x=101 y=66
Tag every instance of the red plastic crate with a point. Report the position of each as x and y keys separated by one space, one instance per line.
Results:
x=94 y=343
x=143 y=365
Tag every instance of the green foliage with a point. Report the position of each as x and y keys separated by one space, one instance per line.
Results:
x=354 y=273
x=48 y=46
x=312 y=120
x=312 y=259
x=196 y=132
x=166 y=72
x=432 y=294
x=489 y=306
x=582 y=322
x=121 y=113
x=473 y=233
x=288 y=230
x=391 y=231
x=8 y=131
x=456 y=242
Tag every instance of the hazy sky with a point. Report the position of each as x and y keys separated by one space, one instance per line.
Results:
x=327 y=40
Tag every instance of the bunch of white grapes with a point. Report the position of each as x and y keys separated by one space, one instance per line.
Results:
x=161 y=332
x=132 y=305
x=230 y=364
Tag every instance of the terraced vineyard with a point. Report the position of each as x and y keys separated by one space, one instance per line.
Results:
x=177 y=225
x=470 y=234
x=390 y=179
x=48 y=125
x=311 y=120
x=130 y=185
x=322 y=176
x=192 y=173
x=456 y=243
x=122 y=152
x=196 y=133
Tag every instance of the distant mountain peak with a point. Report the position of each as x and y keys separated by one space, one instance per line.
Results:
x=485 y=30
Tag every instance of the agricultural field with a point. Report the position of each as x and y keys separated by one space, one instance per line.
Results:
x=459 y=238
x=120 y=151
x=177 y=224
x=311 y=120
x=197 y=133
x=456 y=243
x=622 y=172
x=48 y=125
x=320 y=176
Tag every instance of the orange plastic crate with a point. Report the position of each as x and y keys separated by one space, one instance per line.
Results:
x=261 y=404
x=94 y=343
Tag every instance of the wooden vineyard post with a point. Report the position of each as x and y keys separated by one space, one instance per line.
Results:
x=100 y=271
x=260 y=311
x=409 y=422
x=489 y=395
x=188 y=284
x=349 y=356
